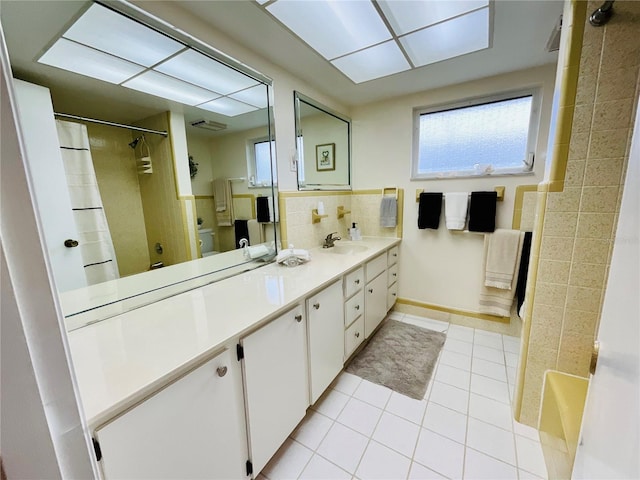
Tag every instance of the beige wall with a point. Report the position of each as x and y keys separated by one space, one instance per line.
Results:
x=578 y=223
x=116 y=171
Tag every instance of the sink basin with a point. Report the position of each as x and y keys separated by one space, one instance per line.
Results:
x=346 y=248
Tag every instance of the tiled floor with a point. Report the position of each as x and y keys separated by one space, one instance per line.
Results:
x=463 y=428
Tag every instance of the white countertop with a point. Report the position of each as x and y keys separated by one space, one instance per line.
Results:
x=120 y=360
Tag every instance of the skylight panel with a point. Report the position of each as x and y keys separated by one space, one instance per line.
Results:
x=113 y=33
x=227 y=106
x=332 y=28
x=405 y=16
x=256 y=96
x=170 y=88
x=76 y=58
x=461 y=35
x=375 y=62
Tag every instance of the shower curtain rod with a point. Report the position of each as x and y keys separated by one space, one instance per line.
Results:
x=112 y=124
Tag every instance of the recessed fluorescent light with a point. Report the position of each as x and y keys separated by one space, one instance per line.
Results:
x=196 y=68
x=113 y=33
x=164 y=86
x=77 y=58
x=408 y=15
x=375 y=62
x=332 y=28
x=465 y=34
x=227 y=106
x=256 y=96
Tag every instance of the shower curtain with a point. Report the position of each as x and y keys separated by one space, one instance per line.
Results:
x=95 y=243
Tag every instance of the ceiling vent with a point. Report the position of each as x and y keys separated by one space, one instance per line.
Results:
x=209 y=125
x=553 y=44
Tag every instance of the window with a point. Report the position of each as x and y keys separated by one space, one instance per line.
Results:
x=260 y=152
x=494 y=136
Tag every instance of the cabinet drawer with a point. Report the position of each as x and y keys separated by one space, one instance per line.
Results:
x=392 y=255
x=353 y=282
x=392 y=295
x=392 y=274
x=375 y=267
x=353 y=337
x=353 y=308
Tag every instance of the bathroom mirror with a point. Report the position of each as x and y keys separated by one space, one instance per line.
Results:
x=323 y=146
x=165 y=117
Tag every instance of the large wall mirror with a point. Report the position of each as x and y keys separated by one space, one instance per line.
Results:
x=162 y=174
x=323 y=139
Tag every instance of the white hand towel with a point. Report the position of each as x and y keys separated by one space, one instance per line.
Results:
x=503 y=255
x=456 y=205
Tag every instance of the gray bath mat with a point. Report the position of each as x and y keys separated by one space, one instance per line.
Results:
x=399 y=356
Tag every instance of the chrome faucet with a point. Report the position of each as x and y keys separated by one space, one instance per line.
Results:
x=330 y=240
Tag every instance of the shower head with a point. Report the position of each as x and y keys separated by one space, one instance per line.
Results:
x=135 y=142
x=602 y=15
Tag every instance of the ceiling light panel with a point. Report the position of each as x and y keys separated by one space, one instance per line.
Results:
x=86 y=61
x=405 y=16
x=168 y=87
x=256 y=96
x=227 y=106
x=461 y=35
x=332 y=28
x=113 y=33
x=196 y=68
x=375 y=62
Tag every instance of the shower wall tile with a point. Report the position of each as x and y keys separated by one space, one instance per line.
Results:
x=565 y=201
x=560 y=224
x=574 y=354
x=553 y=294
x=554 y=272
x=612 y=115
x=591 y=250
x=579 y=321
x=595 y=225
x=618 y=83
x=587 y=299
x=587 y=275
x=574 y=175
x=608 y=143
x=599 y=199
x=603 y=172
x=556 y=248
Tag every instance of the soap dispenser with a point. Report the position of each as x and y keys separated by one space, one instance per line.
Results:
x=354 y=232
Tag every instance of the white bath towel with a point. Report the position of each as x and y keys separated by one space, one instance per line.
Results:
x=504 y=247
x=456 y=206
x=388 y=212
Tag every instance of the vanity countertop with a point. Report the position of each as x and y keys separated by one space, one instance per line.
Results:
x=121 y=360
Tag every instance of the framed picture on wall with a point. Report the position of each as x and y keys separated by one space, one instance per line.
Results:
x=325 y=157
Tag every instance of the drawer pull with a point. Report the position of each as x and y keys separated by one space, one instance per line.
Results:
x=357 y=307
x=357 y=334
x=394 y=274
x=357 y=281
x=395 y=254
x=298 y=318
x=371 y=290
x=222 y=371
x=316 y=306
x=393 y=294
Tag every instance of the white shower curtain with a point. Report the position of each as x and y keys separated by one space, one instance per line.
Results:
x=95 y=243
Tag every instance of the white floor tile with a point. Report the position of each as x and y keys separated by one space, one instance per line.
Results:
x=374 y=394
x=491 y=440
x=446 y=422
x=456 y=360
x=487 y=333
x=397 y=433
x=396 y=316
x=478 y=466
x=490 y=388
x=530 y=456
x=424 y=322
x=486 y=339
x=453 y=376
x=419 y=472
x=511 y=359
x=344 y=447
x=320 y=469
x=457 y=346
x=380 y=462
x=360 y=416
x=347 y=383
x=331 y=403
x=488 y=353
x=460 y=333
x=312 y=429
x=407 y=408
x=511 y=344
x=450 y=397
x=526 y=431
x=490 y=411
x=523 y=475
x=489 y=369
x=511 y=375
x=440 y=454
x=288 y=462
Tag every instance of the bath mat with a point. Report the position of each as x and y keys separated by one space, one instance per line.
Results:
x=401 y=357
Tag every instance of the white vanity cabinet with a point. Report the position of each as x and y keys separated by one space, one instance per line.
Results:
x=392 y=277
x=375 y=294
x=353 y=311
x=192 y=428
x=325 y=318
x=276 y=383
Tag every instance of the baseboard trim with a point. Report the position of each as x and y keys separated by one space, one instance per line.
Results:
x=440 y=308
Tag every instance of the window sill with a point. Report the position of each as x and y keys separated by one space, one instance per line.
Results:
x=459 y=175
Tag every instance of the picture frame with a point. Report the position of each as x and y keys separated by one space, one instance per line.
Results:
x=325 y=157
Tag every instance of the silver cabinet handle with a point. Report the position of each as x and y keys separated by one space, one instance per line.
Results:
x=357 y=307
x=357 y=334
x=371 y=290
x=222 y=371
x=298 y=318
x=316 y=306
x=357 y=281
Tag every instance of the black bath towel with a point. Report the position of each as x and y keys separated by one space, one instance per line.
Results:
x=262 y=209
x=524 y=268
x=429 y=210
x=482 y=211
x=241 y=231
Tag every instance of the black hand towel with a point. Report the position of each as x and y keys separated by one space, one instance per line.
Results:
x=429 y=210
x=262 y=209
x=241 y=231
x=524 y=268
x=482 y=211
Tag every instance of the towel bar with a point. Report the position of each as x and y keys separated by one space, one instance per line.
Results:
x=391 y=188
x=499 y=189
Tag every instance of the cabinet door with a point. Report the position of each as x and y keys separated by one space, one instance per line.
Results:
x=276 y=386
x=192 y=429
x=326 y=338
x=375 y=303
